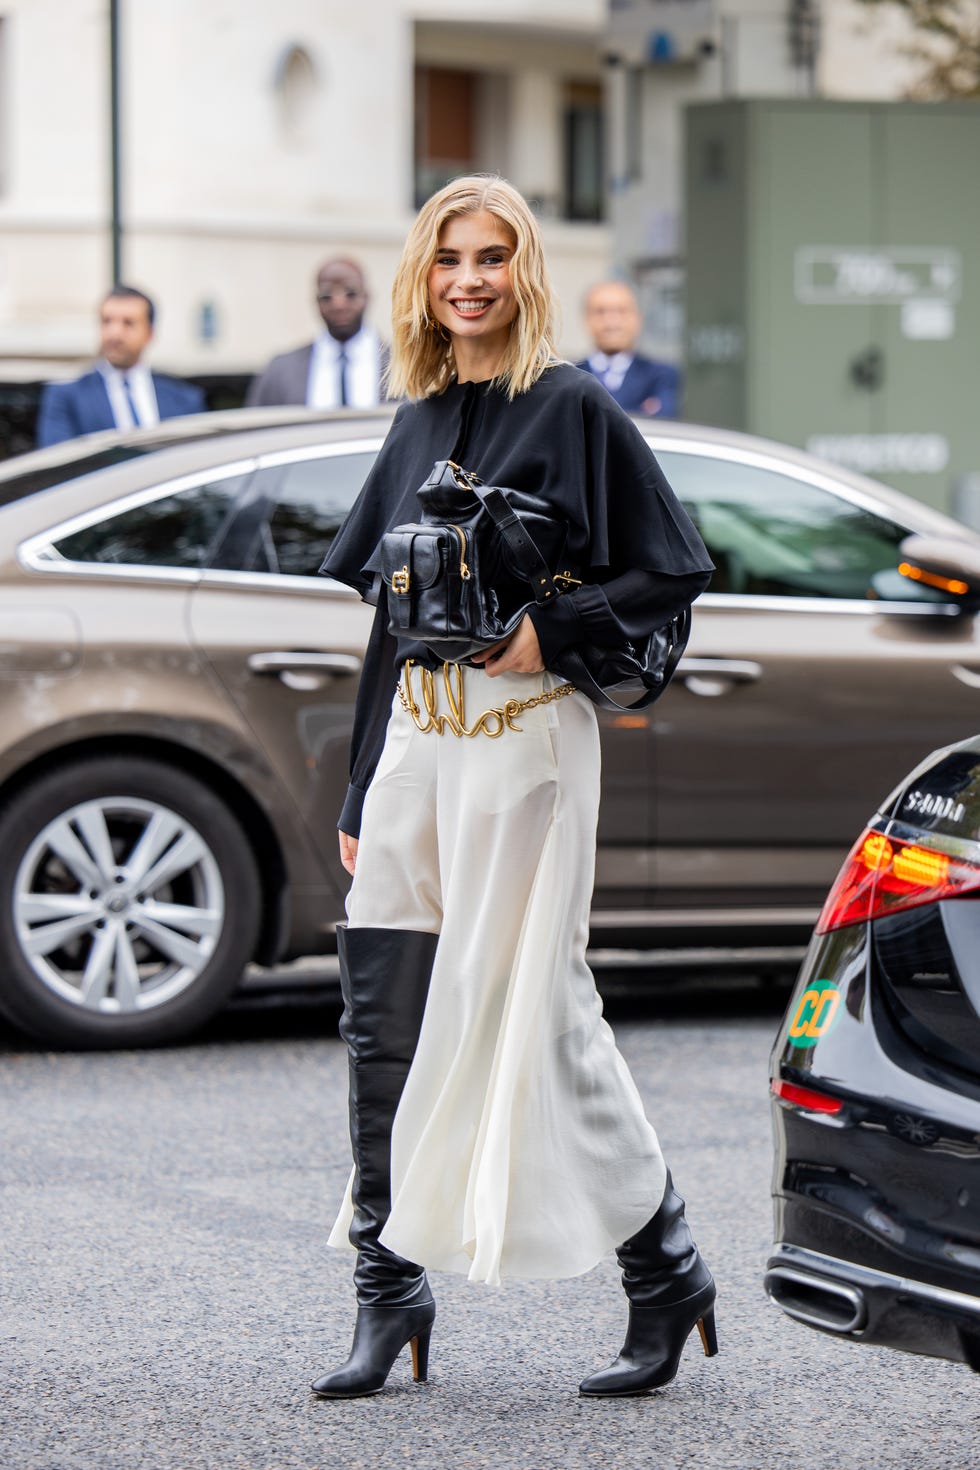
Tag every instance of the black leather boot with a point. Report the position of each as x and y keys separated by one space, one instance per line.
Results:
x=380 y=1333
x=384 y=976
x=670 y=1291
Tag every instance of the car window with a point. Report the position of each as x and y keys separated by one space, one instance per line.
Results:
x=305 y=503
x=176 y=530
x=771 y=535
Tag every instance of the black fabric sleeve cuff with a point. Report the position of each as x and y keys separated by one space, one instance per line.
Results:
x=350 y=816
x=611 y=613
x=559 y=624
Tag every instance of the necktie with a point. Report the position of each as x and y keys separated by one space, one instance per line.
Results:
x=128 y=390
x=342 y=366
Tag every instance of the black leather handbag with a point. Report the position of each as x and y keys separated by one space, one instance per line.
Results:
x=630 y=677
x=463 y=576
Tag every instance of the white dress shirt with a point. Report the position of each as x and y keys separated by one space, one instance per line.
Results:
x=611 y=370
x=363 y=352
x=141 y=389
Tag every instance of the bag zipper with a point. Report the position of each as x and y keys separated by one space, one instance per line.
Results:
x=464 y=570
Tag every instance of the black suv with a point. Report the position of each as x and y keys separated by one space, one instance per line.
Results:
x=875 y=1082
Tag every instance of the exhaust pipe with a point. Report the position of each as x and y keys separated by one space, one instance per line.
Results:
x=819 y=1301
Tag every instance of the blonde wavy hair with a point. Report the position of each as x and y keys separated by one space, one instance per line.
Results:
x=422 y=360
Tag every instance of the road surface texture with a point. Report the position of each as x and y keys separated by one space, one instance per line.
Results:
x=168 y=1294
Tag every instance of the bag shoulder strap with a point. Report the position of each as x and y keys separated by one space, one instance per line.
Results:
x=523 y=548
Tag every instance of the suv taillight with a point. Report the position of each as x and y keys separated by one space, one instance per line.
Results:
x=884 y=874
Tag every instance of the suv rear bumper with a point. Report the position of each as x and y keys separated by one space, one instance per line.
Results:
x=870 y=1305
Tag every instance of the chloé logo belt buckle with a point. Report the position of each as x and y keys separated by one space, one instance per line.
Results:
x=493 y=722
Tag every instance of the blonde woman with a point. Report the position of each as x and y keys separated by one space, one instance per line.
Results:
x=495 y=1128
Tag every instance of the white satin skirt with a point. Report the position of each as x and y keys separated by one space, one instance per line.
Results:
x=520 y=1146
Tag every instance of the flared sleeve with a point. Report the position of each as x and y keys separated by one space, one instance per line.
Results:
x=635 y=520
x=642 y=558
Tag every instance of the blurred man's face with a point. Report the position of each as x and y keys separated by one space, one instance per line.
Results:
x=124 y=330
x=341 y=298
x=613 y=318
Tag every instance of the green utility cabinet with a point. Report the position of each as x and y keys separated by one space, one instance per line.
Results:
x=833 y=284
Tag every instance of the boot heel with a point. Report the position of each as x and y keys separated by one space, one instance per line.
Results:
x=709 y=1337
x=420 y=1355
x=380 y=1334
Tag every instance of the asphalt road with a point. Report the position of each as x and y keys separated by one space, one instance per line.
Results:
x=167 y=1291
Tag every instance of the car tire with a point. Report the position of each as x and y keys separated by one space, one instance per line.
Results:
x=129 y=903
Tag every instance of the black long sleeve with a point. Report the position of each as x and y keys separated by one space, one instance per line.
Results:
x=379 y=676
x=615 y=612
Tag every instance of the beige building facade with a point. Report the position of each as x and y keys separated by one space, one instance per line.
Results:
x=256 y=140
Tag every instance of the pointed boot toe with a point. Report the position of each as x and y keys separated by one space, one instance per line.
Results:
x=654 y=1342
x=379 y=1336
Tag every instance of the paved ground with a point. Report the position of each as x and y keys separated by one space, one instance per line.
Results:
x=167 y=1292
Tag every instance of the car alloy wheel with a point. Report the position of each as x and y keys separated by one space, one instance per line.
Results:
x=117 y=905
x=132 y=902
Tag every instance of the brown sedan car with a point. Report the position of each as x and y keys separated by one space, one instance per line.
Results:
x=178 y=687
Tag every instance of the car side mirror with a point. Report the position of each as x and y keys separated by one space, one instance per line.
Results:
x=946 y=564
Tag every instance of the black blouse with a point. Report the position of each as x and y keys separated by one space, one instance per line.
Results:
x=630 y=540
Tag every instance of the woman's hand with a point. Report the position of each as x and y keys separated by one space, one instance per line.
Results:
x=518 y=654
x=348 y=852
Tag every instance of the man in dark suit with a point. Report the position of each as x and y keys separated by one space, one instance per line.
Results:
x=120 y=392
x=638 y=384
x=345 y=366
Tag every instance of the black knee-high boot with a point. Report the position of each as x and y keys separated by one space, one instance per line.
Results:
x=384 y=977
x=670 y=1292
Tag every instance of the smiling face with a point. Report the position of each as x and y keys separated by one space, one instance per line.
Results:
x=470 y=291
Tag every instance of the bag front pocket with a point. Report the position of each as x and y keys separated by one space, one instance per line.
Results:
x=425 y=571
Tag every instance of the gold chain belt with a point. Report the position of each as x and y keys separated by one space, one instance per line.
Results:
x=493 y=722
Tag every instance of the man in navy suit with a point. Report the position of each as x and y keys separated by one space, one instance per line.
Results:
x=120 y=392
x=638 y=384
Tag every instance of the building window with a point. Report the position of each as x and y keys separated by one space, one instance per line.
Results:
x=633 y=115
x=295 y=83
x=445 y=127
x=583 y=151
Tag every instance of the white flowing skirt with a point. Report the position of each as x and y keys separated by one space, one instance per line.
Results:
x=520 y=1146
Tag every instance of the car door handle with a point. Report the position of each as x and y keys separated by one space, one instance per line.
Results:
x=299 y=662
x=969 y=677
x=710 y=677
